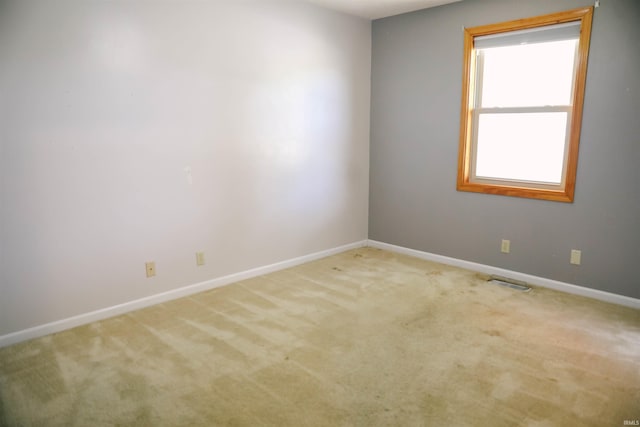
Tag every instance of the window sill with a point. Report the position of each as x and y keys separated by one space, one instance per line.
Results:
x=561 y=195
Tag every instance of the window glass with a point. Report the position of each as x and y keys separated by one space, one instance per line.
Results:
x=522 y=147
x=534 y=74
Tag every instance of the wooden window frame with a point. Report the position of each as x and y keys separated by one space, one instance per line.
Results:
x=565 y=191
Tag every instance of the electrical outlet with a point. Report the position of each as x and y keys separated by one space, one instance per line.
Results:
x=576 y=256
x=199 y=258
x=151 y=268
x=505 y=248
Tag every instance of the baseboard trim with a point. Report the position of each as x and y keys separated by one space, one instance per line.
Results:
x=93 y=316
x=533 y=280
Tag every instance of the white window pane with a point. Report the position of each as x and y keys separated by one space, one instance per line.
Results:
x=521 y=147
x=528 y=75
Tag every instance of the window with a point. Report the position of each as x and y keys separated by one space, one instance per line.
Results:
x=523 y=90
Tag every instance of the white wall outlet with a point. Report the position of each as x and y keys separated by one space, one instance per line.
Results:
x=199 y=258
x=576 y=255
x=505 y=248
x=151 y=268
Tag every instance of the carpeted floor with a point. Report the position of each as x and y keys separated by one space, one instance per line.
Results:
x=363 y=338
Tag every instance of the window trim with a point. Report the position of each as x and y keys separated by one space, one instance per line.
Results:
x=562 y=193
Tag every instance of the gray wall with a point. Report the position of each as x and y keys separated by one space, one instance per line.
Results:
x=104 y=104
x=416 y=89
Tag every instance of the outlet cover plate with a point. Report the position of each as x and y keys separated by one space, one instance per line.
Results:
x=576 y=257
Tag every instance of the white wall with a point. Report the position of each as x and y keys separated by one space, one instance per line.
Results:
x=103 y=104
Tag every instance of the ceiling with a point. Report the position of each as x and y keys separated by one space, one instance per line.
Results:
x=374 y=9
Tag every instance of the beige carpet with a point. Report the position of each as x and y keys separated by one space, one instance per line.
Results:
x=364 y=338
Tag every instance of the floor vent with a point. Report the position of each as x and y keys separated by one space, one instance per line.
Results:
x=509 y=283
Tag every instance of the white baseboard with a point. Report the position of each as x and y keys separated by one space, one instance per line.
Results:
x=533 y=280
x=83 y=319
